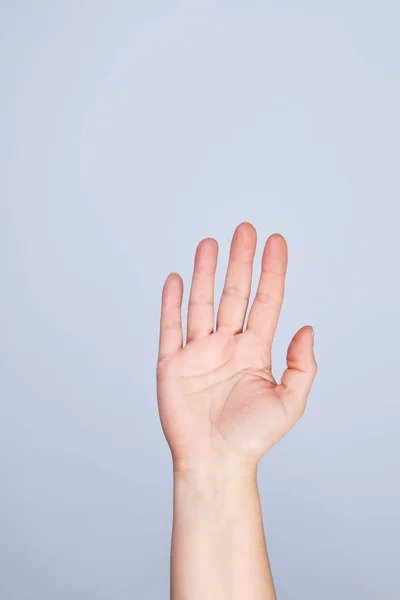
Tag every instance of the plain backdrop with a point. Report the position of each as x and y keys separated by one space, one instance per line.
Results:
x=129 y=131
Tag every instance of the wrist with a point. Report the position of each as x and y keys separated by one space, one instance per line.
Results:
x=214 y=475
x=215 y=494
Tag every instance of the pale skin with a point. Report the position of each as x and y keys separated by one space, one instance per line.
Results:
x=221 y=410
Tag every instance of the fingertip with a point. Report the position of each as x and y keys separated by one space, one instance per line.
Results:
x=276 y=240
x=308 y=332
x=174 y=276
x=208 y=245
x=211 y=241
x=302 y=344
x=173 y=281
x=276 y=234
x=275 y=255
x=246 y=224
x=309 y=329
x=244 y=241
x=247 y=229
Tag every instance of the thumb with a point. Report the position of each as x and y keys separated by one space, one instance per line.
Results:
x=301 y=369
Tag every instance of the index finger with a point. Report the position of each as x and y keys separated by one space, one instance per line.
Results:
x=264 y=313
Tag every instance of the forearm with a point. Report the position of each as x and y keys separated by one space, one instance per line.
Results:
x=218 y=546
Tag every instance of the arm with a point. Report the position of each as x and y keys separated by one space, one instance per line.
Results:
x=218 y=548
x=221 y=410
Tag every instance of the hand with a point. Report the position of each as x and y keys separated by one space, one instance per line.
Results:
x=218 y=399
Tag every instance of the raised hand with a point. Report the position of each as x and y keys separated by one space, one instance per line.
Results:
x=218 y=399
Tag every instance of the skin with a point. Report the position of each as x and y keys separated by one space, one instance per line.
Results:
x=221 y=410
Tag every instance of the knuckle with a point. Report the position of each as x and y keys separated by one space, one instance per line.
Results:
x=233 y=291
x=302 y=408
x=314 y=367
x=266 y=298
x=200 y=301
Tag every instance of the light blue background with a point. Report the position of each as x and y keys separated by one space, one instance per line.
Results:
x=129 y=131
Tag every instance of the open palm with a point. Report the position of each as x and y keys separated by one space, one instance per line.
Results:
x=217 y=396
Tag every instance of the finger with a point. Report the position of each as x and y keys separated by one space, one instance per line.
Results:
x=171 y=338
x=301 y=370
x=200 y=320
x=267 y=304
x=236 y=292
